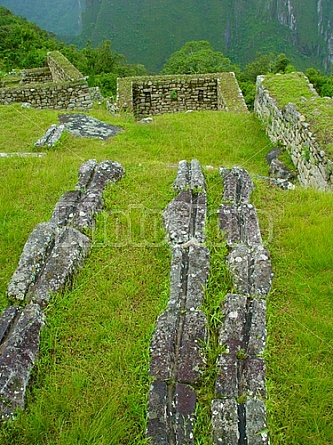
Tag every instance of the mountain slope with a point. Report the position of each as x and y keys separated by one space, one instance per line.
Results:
x=149 y=31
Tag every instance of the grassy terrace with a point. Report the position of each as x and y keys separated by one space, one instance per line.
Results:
x=91 y=382
x=318 y=111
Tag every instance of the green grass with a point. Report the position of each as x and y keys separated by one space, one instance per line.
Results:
x=286 y=88
x=91 y=383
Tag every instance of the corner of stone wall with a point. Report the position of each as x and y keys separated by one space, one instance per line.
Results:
x=61 y=68
x=288 y=127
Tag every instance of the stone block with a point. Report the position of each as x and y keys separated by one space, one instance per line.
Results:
x=65 y=209
x=163 y=346
x=225 y=422
x=233 y=327
x=229 y=224
x=70 y=249
x=19 y=351
x=257 y=330
x=32 y=260
x=157 y=423
x=198 y=269
x=191 y=361
x=252 y=378
x=185 y=402
x=85 y=174
x=226 y=384
x=256 y=426
x=177 y=216
x=6 y=320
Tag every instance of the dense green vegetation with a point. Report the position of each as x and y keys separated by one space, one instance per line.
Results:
x=149 y=31
x=91 y=384
x=25 y=45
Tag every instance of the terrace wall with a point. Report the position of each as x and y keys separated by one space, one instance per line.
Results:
x=58 y=86
x=288 y=127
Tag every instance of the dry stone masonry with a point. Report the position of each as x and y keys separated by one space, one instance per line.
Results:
x=164 y=94
x=58 y=86
x=177 y=360
x=238 y=411
x=287 y=126
x=53 y=253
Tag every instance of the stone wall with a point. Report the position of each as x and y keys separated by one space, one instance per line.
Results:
x=61 y=68
x=288 y=127
x=167 y=94
x=36 y=75
x=66 y=95
x=58 y=86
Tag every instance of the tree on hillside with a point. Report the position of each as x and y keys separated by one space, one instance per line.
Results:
x=197 y=57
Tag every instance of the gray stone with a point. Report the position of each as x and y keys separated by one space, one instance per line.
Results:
x=226 y=384
x=185 y=402
x=197 y=179
x=19 y=352
x=233 y=327
x=157 y=424
x=66 y=208
x=225 y=422
x=190 y=357
x=176 y=278
x=249 y=225
x=182 y=178
x=262 y=272
x=229 y=224
x=239 y=261
x=85 y=174
x=177 y=216
x=163 y=346
x=198 y=268
x=200 y=204
x=274 y=153
x=90 y=204
x=252 y=380
x=238 y=185
x=6 y=320
x=32 y=260
x=257 y=330
x=106 y=172
x=51 y=137
x=82 y=125
x=256 y=426
x=71 y=248
x=279 y=170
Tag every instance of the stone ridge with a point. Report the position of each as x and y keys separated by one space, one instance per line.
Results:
x=238 y=411
x=177 y=360
x=53 y=253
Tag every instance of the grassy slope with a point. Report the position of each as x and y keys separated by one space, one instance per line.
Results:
x=91 y=384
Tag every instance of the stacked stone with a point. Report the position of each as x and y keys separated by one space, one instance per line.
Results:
x=36 y=75
x=54 y=252
x=57 y=96
x=176 y=356
x=238 y=412
x=165 y=96
x=288 y=127
x=171 y=93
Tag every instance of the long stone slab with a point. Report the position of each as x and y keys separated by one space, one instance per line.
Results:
x=71 y=248
x=18 y=353
x=225 y=422
x=32 y=260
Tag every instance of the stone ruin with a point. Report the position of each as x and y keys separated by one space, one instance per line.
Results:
x=54 y=252
x=177 y=356
x=288 y=127
x=58 y=86
x=153 y=95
